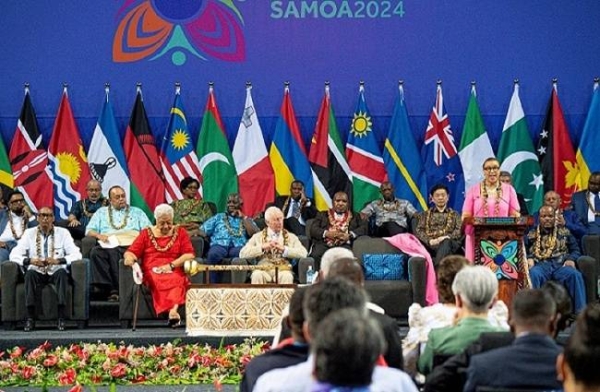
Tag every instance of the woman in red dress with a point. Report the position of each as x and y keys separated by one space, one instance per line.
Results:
x=162 y=250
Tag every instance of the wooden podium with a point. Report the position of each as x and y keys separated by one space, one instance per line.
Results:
x=499 y=245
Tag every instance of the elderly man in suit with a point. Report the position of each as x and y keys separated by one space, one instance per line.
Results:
x=530 y=361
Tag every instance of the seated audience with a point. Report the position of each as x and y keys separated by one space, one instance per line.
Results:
x=321 y=300
x=440 y=227
x=337 y=227
x=421 y=320
x=530 y=361
x=506 y=178
x=190 y=212
x=297 y=208
x=475 y=289
x=331 y=255
x=115 y=227
x=567 y=218
x=13 y=223
x=45 y=252
x=577 y=365
x=586 y=204
x=83 y=210
x=345 y=350
x=552 y=254
x=286 y=355
x=275 y=246
x=161 y=250
x=228 y=231
x=392 y=215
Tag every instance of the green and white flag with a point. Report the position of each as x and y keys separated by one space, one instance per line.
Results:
x=517 y=155
x=475 y=146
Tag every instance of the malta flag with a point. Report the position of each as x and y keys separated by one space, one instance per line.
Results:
x=364 y=156
x=67 y=160
x=331 y=173
x=29 y=159
x=147 y=188
x=178 y=158
x=256 y=178
x=556 y=153
x=288 y=153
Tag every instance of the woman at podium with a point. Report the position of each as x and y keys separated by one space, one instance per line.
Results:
x=490 y=198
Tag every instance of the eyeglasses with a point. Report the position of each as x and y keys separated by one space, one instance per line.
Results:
x=492 y=168
x=17 y=201
x=43 y=215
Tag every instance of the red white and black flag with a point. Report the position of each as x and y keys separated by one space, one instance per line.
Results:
x=556 y=154
x=29 y=159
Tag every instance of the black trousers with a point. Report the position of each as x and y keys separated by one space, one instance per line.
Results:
x=389 y=229
x=446 y=247
x=35 y=281
x=293 y=225
x=105 y=267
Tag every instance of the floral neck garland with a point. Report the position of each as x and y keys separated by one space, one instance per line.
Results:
x=12 y=227
x=274 y=253
x=169 y=244
x=590 y=206
x=543 y=249
x=192 y=204
x=435 y=233
x=110 y=218
x=240 y=232
x=389 y=206
x=86 y=212
x=341 y=225
x=38 y=244
x=484 y=194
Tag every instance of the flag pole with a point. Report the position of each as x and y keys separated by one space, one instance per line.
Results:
x=248 y=85
x=106 y=90
x=473 y=89
x=555 y=84
x=138 y=89
x=65 y=87
x=361 y=86
x=26 y=86
x=177 y=88
x=286 y=86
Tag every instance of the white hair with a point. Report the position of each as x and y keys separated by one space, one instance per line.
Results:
x=163 y=210
x=270 y=212
x=477 y=287
x=332 y=255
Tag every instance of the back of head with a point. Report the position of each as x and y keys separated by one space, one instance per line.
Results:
x=331 y=255
x=533 y=310
x=331 y=295
x=346 y=348
x=348 y=268
x=582 y=352
x=477 y=287
x=296 y=314
x=561 y=298
x=446 y=271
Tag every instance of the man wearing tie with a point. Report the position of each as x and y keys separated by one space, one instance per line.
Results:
x=586 y=204
x=297 y=208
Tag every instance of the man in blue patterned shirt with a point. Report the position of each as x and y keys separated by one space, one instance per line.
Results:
x=392 y=215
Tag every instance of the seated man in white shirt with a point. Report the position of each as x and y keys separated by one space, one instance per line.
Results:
x=45 y=252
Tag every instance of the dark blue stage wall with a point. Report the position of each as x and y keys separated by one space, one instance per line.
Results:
x=306 y=42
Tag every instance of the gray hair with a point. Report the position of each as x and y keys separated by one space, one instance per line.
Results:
x=332 y=255
x=271 y=211
x=162 y=210
x=477 y=287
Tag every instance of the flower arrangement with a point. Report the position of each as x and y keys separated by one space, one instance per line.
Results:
x=110 y=364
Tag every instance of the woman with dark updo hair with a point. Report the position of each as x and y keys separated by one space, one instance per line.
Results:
x=191 y=211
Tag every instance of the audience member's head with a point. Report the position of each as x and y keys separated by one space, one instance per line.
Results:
x=475 y=289
x=533 y=311
x=563 y=303
x=446 y=271
x=347 y=267
x=577 y=365
x=346 y=348
x=295 y=318
x=330 y=256
x=327 y=296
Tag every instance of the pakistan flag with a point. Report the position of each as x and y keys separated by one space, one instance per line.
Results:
x=517 y=155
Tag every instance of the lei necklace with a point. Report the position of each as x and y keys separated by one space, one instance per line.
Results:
x=433 y=233
x=38 y=245
x=389 y=206
x=169 y=244
x=587 y=200
x=484 y=194
x=85 y=209
x=191 y=206
x=12 y=227
x=341 y=225
x=110 y=218
x=274 y=253
x=240 y=232
x=544 y=249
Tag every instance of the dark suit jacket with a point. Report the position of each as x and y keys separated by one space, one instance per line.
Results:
x=530 y=362
x=307 y=212
x=580 y=206
x=357 y=226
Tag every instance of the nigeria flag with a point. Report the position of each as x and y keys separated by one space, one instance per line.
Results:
x=517 y=155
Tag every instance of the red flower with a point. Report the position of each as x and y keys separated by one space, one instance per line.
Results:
x=139 y=379
x=206 y=361
x=28 y=372
x=245 y=359
x=17 y=352
x=67 y=377
x=218 y=385
x=119 y=371
x=76 y=388
x=50 y=360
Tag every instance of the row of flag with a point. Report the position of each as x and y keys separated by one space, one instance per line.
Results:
x=152 y=176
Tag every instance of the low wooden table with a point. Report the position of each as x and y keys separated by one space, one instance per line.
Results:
x=235 y=309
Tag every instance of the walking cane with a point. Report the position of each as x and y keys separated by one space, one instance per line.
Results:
x=136 y=305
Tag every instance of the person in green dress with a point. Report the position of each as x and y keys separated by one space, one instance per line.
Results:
x=191 y=211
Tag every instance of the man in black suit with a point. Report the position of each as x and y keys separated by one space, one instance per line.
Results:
x=530 y=361
x=297 y=209
x=586 y=204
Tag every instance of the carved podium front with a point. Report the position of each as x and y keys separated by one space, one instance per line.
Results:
x=499 y=245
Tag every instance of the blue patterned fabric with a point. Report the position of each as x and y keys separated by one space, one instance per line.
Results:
x=384 y=266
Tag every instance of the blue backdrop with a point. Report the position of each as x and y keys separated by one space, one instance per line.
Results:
x=306 y=42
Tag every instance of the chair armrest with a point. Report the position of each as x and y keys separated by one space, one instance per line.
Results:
x=303 y=265
x=588 y=266
x=80 y=275
x=87 y=244
x=417 y=271
x=9 y=277
x=126 y=282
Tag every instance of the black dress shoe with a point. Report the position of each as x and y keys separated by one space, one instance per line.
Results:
x=29 y=325
x=61 y=324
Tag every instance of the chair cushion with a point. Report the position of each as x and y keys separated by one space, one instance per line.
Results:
x=387 y=266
